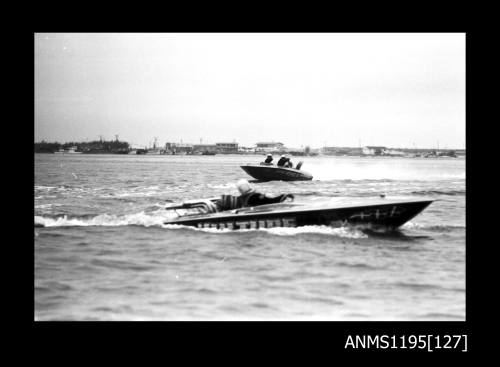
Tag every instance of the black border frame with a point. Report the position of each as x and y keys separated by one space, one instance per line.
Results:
x=245 y=337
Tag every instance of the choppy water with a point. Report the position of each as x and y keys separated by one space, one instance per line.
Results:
x=105 y=254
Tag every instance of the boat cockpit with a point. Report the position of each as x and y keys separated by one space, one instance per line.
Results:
x=225 y=203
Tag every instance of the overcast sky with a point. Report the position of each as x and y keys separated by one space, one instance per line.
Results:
x=300 y=89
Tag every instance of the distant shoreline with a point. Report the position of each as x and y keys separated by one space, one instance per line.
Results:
x=123 y=148
x=258 y=154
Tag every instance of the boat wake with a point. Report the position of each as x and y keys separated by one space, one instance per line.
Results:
x=346 y=232
x=371 y=170
x=157 y=220
x=432 y=227
x=109 y=220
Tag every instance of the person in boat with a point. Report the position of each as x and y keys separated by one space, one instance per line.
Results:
x=282 y=161
x=269 y=159
x=250 y=197
x=288 y=163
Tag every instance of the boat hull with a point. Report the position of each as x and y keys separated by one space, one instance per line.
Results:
x=388 y=215
x=274 y=173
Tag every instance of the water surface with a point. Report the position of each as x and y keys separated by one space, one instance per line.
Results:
x=106 y=255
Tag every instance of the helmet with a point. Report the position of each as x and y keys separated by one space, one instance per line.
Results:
x=269 y=155
x=243 y=187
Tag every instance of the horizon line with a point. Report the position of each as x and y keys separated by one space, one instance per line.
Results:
x=244 y=146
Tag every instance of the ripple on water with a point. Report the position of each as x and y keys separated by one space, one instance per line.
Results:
x=360 y=266
x=120 y=264
x=176 y=272
x=419 y=286
x=440 y=316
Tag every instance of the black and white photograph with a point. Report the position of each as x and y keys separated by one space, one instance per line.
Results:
x=249 y=176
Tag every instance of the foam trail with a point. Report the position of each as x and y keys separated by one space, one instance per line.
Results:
x=376 y=170
x=346 y=232
x=141 y=219
x=413 y=225
x=145 y=220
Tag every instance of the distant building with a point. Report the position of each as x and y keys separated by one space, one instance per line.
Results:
x=373 y=150
x=227 y=147
x=246 y=150
x=351 y=151
x=269 y=146
x=211 y=148
x=394 y=152
x=176 y=148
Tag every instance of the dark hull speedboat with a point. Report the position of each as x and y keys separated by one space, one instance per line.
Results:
x=264 y=172
x=369 y=213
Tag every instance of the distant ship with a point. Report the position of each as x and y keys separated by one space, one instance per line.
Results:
x=71 y=150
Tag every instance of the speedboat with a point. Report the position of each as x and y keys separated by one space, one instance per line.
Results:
x=270 y=172
x=374 y=213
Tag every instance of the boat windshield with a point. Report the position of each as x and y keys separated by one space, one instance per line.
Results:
x=182 y=212
x=194 y=207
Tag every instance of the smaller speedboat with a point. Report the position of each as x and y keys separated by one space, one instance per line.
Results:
x=270 y=172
